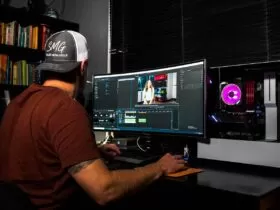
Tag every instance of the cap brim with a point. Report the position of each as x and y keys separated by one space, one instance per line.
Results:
x=58 y=67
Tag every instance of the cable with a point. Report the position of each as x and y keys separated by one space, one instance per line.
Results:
x=138 y=145
x=105 y=140
x=109 y=136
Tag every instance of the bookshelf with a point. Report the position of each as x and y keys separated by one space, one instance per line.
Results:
x=18 y=53
x=23 y=16
x=22 y=41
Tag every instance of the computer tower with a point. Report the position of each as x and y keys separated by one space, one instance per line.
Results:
x=242 y=102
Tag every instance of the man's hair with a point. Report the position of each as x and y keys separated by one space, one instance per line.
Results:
x=69 y=77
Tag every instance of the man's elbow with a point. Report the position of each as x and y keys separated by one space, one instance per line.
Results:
x=102 y=201
x=107 y=194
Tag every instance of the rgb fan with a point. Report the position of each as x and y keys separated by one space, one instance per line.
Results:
x=231 y=94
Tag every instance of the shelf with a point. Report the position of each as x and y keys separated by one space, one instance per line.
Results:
x=261 y=65
x=20 y=53
x=12 y=87
x=14 y=90
x=26 y=18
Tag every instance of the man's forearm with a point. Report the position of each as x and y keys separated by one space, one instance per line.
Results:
x=105 y=186
x=127 y=181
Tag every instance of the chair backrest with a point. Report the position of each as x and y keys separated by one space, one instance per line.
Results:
x=12 y=197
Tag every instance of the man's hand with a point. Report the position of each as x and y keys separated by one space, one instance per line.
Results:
x=171 y=163
x=109 y=150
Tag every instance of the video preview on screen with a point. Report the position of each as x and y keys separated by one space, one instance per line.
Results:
x=166 y=100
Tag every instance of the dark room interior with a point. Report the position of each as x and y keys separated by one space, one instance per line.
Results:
x=183 y=93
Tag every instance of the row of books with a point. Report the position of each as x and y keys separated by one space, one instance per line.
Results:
x=15 y=72
x=31 y=36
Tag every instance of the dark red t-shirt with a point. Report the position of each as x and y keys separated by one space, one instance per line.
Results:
x=43 y=132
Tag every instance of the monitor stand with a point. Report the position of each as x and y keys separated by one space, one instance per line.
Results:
x=139 y=143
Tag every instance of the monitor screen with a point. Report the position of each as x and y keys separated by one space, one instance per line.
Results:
x=164 y=100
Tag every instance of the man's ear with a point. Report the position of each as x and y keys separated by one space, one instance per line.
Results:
x=84 y=65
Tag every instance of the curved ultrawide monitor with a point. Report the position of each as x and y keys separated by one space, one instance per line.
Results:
x=165 y=100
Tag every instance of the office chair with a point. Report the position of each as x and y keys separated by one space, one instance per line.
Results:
x=12 y=197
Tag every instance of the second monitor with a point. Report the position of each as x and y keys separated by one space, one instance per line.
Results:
x=165 y=100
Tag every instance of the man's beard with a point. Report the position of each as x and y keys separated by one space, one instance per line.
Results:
x=79 y=95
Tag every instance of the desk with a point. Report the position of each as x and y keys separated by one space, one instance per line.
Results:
x=240 y=191
x=211 y=188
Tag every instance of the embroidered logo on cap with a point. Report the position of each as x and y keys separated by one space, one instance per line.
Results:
x=56 y=49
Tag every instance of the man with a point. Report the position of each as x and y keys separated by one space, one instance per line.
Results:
x=47 y=147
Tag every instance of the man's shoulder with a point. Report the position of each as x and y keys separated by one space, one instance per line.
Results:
x=56 y=100
x=65 y=102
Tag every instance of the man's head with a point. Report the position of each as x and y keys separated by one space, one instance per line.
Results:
x=66 y=60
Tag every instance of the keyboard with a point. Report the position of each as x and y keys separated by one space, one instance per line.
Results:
x=118 y=165
x=129 y=160
x=137 y=157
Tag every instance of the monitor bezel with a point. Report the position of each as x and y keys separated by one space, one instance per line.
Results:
x=158 y=133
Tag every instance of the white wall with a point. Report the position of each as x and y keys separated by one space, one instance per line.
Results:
x=247 y=152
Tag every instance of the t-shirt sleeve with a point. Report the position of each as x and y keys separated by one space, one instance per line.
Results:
x=72 y=136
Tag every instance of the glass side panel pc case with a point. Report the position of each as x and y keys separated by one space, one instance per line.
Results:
x=167 y=100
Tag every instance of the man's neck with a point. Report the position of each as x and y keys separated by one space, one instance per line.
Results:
x=67 y=87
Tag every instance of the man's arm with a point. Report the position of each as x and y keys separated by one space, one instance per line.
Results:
x=105 y=186
x=72 y=139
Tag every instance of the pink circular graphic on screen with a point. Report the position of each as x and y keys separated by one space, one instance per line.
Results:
x=231 y=94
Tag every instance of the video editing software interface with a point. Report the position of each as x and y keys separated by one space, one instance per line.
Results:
x=167 y=100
